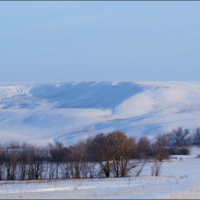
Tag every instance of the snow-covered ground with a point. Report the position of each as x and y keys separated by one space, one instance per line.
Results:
x=68 y=112
x=179 y=178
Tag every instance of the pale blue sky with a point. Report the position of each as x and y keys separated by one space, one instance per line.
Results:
x=75 y=41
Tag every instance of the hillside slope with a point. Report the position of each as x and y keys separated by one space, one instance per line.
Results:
x=70 y=111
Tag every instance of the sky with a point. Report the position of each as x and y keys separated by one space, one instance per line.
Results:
x=99 y=40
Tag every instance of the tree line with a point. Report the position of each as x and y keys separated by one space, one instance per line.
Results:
x=103 y=155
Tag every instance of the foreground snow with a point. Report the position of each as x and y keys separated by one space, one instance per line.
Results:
x=178 y=179
x=68 y=112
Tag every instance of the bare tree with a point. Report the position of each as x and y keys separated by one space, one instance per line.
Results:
x=78 y=163
x=123 y=149
x=196 y=137
x=156 y=167
x=2 y=162
x=99 y=151
x=36 y=163
x=10 y=163
x=23 y=160
x=179 y=139
x=57 y=153
x=159 y=147
x=140 y=167
x=144 y=147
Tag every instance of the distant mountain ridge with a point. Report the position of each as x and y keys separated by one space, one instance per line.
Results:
x=70 y=111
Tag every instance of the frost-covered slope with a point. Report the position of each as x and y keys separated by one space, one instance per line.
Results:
x=67 y=112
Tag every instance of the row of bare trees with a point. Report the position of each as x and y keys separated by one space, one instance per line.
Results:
x=176 y=142
x=21 y=162
x=103 y=155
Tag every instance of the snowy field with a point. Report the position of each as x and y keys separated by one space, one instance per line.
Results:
x=68 y=112
x=179 y=178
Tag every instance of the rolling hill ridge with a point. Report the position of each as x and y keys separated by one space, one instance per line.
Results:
x=70 y=111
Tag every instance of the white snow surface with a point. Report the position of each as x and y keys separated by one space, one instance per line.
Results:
x=70 y=111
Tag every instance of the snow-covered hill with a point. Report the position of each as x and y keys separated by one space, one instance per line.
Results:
x=70 y=111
